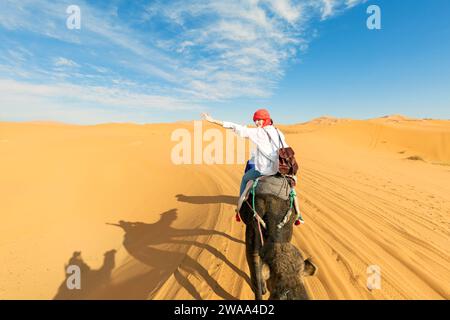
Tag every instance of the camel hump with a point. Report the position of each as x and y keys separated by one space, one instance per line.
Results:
x=276 y=185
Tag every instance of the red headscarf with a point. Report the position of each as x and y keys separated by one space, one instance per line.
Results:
x=263 y=114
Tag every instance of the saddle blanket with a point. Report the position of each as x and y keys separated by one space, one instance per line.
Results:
x=275 y=185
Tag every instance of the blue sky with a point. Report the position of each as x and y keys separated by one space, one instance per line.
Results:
x=164 y=61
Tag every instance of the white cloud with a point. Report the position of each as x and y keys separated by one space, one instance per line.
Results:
x=16 y=95
x=215 y=50
x=63 y=62
x=352 y=3
x=328 y=8
x=286 y=10
x=19 y=54
x=242 y=45
x=229 y=41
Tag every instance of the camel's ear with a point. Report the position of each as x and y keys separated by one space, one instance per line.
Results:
x=310 y=268
x=265 y=272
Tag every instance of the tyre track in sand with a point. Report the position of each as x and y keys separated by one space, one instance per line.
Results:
x=352 y=222
x=361 y=228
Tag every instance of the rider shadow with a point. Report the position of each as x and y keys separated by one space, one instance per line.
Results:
x=208 y=199
x=140 y=240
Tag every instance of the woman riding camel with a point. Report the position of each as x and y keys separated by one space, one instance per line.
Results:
x=265 y=158
x=267 y=139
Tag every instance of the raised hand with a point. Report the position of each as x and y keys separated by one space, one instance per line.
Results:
x=207 y=117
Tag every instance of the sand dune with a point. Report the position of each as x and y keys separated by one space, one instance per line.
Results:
x=149 y=229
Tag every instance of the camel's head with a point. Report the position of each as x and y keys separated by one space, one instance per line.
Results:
x=284 y=269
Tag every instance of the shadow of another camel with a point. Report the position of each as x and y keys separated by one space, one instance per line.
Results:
x=91 y=281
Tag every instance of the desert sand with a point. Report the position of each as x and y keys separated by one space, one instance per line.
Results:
x=372 y=192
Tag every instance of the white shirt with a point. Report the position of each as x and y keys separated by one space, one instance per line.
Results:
x=264 y=148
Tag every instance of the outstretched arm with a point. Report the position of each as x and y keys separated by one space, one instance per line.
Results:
x=241 y=131
x=208 y=118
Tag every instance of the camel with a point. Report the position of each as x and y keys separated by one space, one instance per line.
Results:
x=275 y=264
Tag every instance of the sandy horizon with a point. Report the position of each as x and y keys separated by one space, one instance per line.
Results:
x=326 y=117
x=372 y=192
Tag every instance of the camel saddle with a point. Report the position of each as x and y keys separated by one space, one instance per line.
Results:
x=280 y=186
x=276 y=185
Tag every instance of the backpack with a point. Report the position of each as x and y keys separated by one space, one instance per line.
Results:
x=286 y=157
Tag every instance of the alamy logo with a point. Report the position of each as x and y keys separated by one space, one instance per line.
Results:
x=213 y=151
x=374 y=20
x=74 y=19
x=73 y=281
x=374 y=277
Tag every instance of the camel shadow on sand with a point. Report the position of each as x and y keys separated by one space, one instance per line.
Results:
x=90 y=281
x=151 y=244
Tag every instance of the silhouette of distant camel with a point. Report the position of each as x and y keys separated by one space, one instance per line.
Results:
x=91 y=281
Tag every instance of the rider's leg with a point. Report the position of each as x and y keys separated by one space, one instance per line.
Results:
x=246 y=184
x=244 y=195
x=251 y=174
